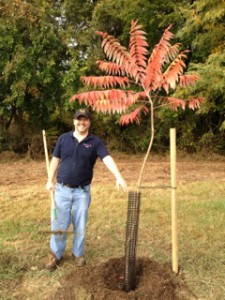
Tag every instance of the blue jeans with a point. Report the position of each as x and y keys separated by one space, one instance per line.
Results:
x=71 y=206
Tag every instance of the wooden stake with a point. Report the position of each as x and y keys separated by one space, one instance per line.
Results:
x=173 y=200
x=47 y=167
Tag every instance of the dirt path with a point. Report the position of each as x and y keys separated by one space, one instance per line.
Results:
x=157 y=170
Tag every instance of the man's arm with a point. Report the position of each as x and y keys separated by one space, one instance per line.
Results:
x=52 y=172
x=111 y=165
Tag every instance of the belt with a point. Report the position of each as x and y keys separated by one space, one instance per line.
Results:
x=72 y=186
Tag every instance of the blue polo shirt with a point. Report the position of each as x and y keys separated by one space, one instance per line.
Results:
x=77 y=159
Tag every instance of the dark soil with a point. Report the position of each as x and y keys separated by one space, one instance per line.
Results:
x=154 y=281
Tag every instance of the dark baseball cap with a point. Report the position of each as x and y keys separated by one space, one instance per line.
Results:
x=82 y=112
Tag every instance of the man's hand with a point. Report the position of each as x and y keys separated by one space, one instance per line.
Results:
x=51 y=173
x=111 y=165
x=50 y=186
x=121 y=182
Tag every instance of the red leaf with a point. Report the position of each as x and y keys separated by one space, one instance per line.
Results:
x=186 y=80
x=112 y=49
x=195 y=102
x=174 y=103
x=106 y=81
x=173 y=73
x=109 y=100
x=156 y=61
x=138 y=50
x=134 y=116
x=111 y=68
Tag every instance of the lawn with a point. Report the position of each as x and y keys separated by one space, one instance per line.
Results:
x=24 y=226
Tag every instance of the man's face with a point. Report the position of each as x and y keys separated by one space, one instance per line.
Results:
x=82 y=125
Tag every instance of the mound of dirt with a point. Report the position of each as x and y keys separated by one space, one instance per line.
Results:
x=105 y=282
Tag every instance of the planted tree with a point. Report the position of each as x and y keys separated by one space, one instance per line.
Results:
x=137 y=83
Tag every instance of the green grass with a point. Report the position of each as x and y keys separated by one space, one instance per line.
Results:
x=24 y=218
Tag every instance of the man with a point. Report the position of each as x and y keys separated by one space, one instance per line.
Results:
x=73 y=160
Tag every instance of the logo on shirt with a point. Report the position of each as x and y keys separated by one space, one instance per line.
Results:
x=87 y=145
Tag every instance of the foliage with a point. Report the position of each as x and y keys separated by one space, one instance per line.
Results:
x=204 y=28
x=194 y=22
x=115 y=17
x=158 y=73
x=161 y=71
x=45 y=47
x=204 y=32
x=37 y=69
x=30 y=61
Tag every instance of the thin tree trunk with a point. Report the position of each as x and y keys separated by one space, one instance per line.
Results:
x=150 y=144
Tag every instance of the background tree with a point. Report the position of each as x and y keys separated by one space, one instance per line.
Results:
x=204 y=33
x=47 y=45
x=34 y=68
x=30 y=47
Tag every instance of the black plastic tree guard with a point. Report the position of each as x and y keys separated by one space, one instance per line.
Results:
x=134 y=199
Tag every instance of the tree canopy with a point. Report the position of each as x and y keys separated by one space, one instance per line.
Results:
x=46 y=46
